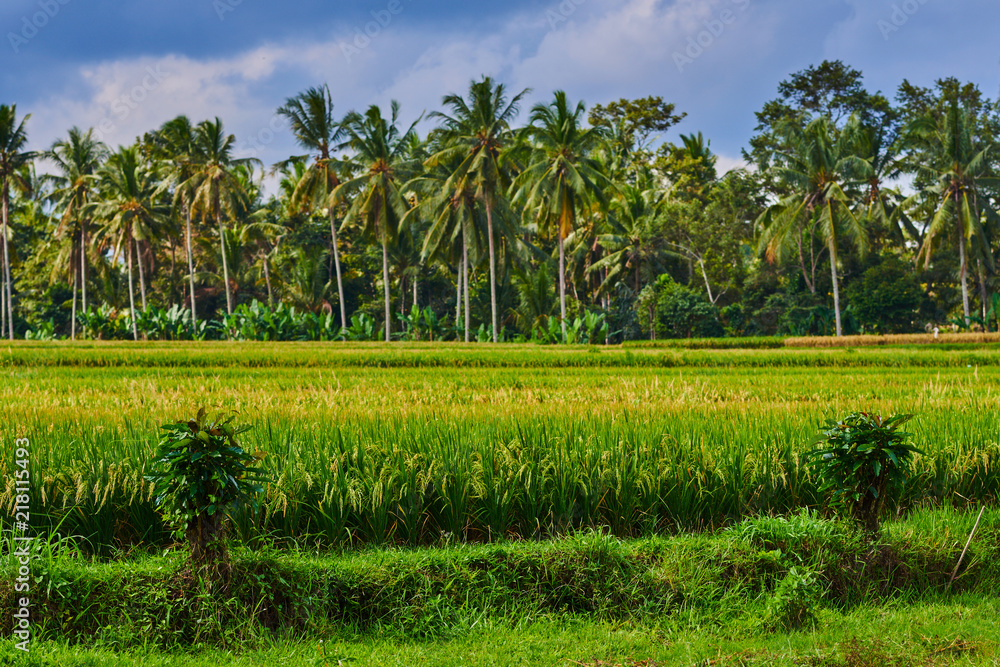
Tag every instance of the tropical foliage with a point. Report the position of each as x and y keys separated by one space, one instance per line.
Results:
x=858 y=216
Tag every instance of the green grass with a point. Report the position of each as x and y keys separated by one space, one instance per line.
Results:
x=589 y=598
x=961 y=631
x=475 y=442
x=216 y=354
x=412 y=482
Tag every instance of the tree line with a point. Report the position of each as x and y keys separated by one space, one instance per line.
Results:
x=856 y=213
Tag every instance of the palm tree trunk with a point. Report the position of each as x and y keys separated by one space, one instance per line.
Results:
x=72 y=326
x=267 y=280
x=131 y=293
x=402 y=295
x=83 y=265
x=458 y=296
x=982 y=291
x=963 y=271
x=3 y=300
x=465 y=279
x=385 y=285
x=836 y=284
x=6 y=262
x=493 y=266
x=142 y=274
x=562 y=284
x=225 y=263
x=416 y=289
x=194 y=314
x=336 y=264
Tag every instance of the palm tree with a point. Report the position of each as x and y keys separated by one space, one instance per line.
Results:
x=819 y=171
x=882 y=204
x=627 y=234
x=957 y=172
x=215 y=188
x=451 y=207
x=311 y=117
x=13 y=138
x=78 y=157
x=382 y=151
x=478 y=129
x=129 y=206
x=174 y=144
x=264 y=238
x=562 y=177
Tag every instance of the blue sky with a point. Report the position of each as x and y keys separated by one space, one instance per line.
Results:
x=129 y=65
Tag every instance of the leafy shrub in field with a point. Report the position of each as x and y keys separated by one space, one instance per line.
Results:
x=423 y=324
x=363 y=328
x=591 y=329
x=175 y=323
x=106 y=323
x=864 y=461
x=200 y=471
x=258 y=321
x=795 y=601
x=249 y=322
x=44 y=331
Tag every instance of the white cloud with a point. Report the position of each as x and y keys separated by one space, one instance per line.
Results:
x=603 y=50
x=725 y=164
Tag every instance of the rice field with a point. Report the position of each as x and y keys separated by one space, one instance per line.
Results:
x=411 y=444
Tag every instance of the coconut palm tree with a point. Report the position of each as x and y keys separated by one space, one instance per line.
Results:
x=562 y=177
x=882 y=204
x=129 y=209
x=175 y=147
x=13 y=139
x=78 y=157
x=381 y=151
x=216 y=190
x=311 y=116
x=957 y=172
x=478 y=130
x=626 y=237
x=819 y=170
x=451 y=206
x=263 y=238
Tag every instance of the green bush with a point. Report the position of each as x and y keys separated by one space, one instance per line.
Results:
x=200 y=471
x=794 y=602
x=864 y=460
x=681 y=312
x=886 y=298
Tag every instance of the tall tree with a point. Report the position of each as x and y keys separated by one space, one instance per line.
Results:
x=957 y=173
x=174 y=145
x=311 y=116
x=78 y=157
x=818 y=169
x=561 y=177
x=13 y=139
x=381 y=150
x=216 y=189
x=129 y=208
x=632 y=125
x=627 y=236
x=831 y=89
x=455 y=223
x=478 y=129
